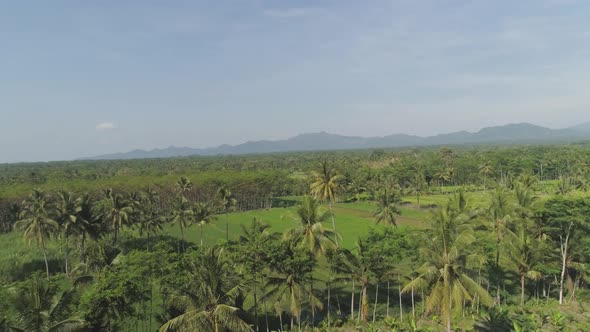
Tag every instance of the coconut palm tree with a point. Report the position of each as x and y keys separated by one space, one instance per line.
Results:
x=40 y=308
x=36 y=222
x=148 y=217
x=209 y=302
x=254 y=240
x=444 y=275
x=68 y=208
x=418 y=186
x=387 y=208
x=183 y=215
x=360 y=268
x=310 y=233
x=486 y=170
x=523 y=253
x=204 y=214
x=183 y=185
x=87 y=223
x=524 y=248
x=291 y=268
x=325 y=187
x=443 y=177
x=565 y=185
x=116 y=212
x=497 y=219
x=227 y=203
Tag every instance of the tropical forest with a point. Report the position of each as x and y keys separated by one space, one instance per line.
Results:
x=457 y=238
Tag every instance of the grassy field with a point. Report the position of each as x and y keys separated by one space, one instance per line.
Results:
x=353 y=220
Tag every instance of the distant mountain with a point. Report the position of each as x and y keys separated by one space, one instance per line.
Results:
x=507 y=134
x=582 y=128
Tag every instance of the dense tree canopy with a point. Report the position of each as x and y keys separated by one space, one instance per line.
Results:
x=446 y=238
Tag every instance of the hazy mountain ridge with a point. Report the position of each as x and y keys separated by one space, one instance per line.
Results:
x=510 y=133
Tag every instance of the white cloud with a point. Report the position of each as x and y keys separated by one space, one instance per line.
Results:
x=105 y=126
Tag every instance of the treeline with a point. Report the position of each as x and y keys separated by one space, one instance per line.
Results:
x=460 y=165
x=255 y=190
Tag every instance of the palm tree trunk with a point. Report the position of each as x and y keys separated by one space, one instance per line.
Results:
x=448 y=318
x=201 y=224
x=333 y=224
x=364 y=304
x=387 y=310
x=352 y=301
x=360 y=309
x=328 y=306
x=564 y=245
x=115 y=233
x=312 y=305
x=66 y=254
x=375 y=306
x=181 y=243
x=401 y=307
x=151 y=303
x=45 y=257
x=266 y=313
x=548 y=293
x=522 y=282
x=413 y=306
x=83 y=247
x=226 y=227
x=338 y=304
x=255 y=305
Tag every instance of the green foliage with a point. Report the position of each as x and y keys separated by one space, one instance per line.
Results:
x=122 y=235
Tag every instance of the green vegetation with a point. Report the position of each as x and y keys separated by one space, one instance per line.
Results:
x=486 y=239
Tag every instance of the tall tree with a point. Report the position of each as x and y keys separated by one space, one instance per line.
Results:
x=418 y=186
x=486 y=170
x=497 y=219
x=524 y=249
x=444 y=274
x=68 y=208
x=387 y=207
x=310 y=233
x=36 y=222
x=115 y=211
x=204 y=214
x=208 y=303
x=325 y=186
x=227 y=203
x=566 y=221
x=364 y=266
x=87 y=225
x=40 y=307
x=183 y=185
x=183 y=215
x=291 y=268
x=256 y=240
x=147 y=215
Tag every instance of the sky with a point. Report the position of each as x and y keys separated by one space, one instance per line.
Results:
x=84 y=78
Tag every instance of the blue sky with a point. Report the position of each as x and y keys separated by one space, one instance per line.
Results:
x=82 y=78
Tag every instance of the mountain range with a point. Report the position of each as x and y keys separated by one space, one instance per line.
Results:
x=506 y=134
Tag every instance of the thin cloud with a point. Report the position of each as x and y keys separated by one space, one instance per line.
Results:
x=105 y=126
x=287 y=13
